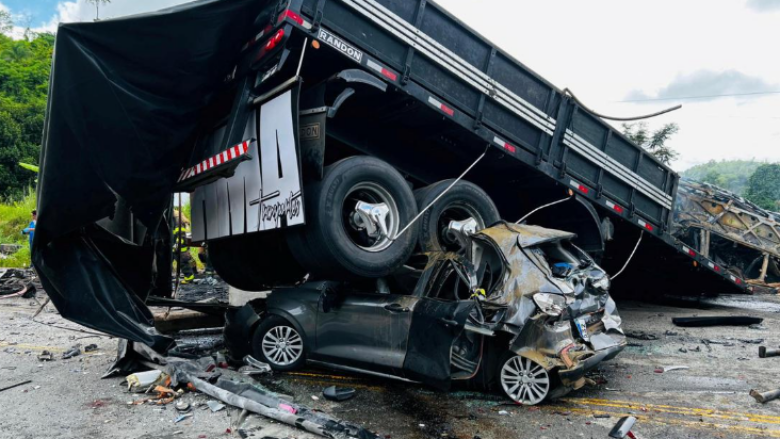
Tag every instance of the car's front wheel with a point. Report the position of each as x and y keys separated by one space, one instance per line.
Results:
x=524 y=380
x=278 y=343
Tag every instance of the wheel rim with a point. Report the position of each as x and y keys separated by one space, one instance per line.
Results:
x=455 y=213
x=525 y=381
x=372 y=193
x=282 y=345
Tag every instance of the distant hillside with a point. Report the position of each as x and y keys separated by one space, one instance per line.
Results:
x=732 y=175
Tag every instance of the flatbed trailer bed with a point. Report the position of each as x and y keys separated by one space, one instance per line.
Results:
x=484 y=96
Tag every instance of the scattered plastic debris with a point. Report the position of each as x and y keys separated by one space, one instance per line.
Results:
x=334 y=393
x=215 y=406
x=183 y=417
x=45 y=356
x=664 y=369
x=90 y=347
x=623 y=427
x=141 y=381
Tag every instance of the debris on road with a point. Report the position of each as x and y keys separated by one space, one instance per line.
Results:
x=183 y=406
x=641 y=335
x=141 y=381
x=763 y=352
x=45 y=356
x=623 y=427
x=765 y=397
x=664 y=369
x=183 y=417
x=334 y=393
x=709 y=341
x=254 y=367
x=701 y=322
x=751 y=340
x=2 y=389
x=236 y=389
x=90 y=348
x=75 y=351
x=215 y=406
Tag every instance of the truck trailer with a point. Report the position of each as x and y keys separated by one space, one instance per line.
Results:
x=323 y=140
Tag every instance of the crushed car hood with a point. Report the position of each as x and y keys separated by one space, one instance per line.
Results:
x=525 y=275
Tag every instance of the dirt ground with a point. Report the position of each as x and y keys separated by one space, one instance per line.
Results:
x=68 y=399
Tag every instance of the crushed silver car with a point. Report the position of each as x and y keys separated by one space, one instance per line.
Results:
x=521 y=309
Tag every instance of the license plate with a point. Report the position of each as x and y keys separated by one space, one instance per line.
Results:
x=582 y=327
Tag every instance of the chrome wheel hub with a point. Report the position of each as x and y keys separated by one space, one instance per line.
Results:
x=282 y=345
x=525 y=381
x=370 y=216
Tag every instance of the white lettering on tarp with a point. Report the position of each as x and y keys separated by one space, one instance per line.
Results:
x=334 y=41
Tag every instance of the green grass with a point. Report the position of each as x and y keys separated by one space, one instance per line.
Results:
x=15 y=216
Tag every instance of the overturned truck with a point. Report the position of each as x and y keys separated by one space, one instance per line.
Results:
x=327 y=141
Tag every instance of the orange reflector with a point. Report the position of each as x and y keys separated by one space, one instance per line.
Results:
x=315 y=44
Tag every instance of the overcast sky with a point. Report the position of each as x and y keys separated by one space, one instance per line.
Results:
x=622 y=58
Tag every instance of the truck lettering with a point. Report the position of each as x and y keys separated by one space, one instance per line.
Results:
x=340 y=45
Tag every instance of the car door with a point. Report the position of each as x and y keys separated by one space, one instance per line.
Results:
x=436 y=324
x=364 y=330
x=438 y=319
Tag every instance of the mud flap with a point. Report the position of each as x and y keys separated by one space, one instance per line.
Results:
x=436 y=324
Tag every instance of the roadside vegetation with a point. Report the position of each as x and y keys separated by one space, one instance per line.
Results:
x=732 y=175
x=15 y=216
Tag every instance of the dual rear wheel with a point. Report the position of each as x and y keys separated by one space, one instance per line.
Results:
x=355 y=216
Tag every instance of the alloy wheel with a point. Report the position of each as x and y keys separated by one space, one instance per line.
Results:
x=524 y=380
x=282 y=345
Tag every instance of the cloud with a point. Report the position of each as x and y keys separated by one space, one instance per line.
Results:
x=764 y=5
x=79 y=10
x=706 y=85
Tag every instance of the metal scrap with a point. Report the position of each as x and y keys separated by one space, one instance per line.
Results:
x=765 y=397
x=701 y=322
x=72 y=352
x=664 y=369
x=763 y=352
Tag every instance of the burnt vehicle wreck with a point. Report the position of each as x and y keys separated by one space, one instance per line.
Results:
x=522 y=309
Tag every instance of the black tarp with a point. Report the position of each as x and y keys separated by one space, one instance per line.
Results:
x=124 y=101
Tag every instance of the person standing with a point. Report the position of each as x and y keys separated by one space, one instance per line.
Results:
x=181 y=249
x=30 y=230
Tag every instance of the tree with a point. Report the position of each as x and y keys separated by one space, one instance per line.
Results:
x=654 y=142
x=6 y=23
x=713 y=177
x=97 y=4
x=764 y=186
x=24 y=77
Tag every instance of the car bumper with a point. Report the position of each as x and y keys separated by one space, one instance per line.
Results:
x=572 y=375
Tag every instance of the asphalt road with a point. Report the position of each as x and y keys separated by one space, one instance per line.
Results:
x=67 y=398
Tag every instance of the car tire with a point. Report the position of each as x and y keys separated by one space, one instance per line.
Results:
x=334 y=243
x=278 y=342
x=465 y=200
x=255 y=262
x=523 y=380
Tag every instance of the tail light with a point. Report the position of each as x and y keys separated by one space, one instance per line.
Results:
x=271 y=43
x=292 y=16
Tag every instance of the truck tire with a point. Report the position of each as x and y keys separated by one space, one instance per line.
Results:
x=255 y=262
x=335 y=243
x=465 y=200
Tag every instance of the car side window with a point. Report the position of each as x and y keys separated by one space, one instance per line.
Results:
x=449 y=283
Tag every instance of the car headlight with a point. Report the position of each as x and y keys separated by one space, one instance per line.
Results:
x=550 y=304
x=602 y=284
